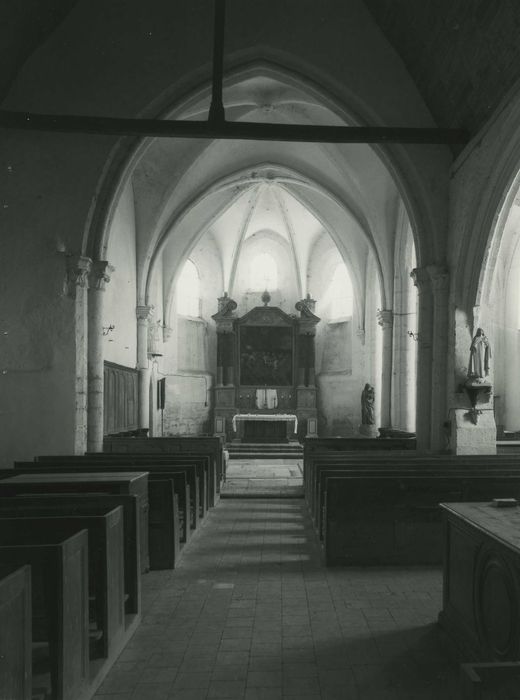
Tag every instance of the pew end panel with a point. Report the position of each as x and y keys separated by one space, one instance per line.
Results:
x=15 y=632
x=59 y=604
x=88 y=504
x=165 y=548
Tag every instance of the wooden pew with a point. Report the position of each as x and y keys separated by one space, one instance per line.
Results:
x=15 y=632
x=187 y=445
x=59 y=582
x=319 y=467
x=314 y=446
x=200 y=464
x=105 y=564
x=166 y=526
x=74 y=504
x=130 y=483
x=394 y=518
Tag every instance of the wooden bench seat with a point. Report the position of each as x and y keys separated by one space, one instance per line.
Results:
x=105 y=564
x=135 y=483
x=427 y=467
x=89 y=504
x=59 y=579
x=187 y=445
x=394 y=518
x=378 y=461
x=168 y=521
x=144 y=462
x=15 y=632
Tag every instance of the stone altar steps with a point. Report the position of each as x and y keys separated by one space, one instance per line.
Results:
x=291 y=450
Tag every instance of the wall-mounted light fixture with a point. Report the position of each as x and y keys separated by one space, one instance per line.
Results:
x=108 y=329
x=413 y=335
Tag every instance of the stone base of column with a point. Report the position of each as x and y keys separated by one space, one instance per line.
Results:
x=468 y=438
x=368 y=431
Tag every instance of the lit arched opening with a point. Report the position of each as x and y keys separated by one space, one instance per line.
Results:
x=188 y=291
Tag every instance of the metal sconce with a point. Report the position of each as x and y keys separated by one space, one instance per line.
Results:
x=108 y=329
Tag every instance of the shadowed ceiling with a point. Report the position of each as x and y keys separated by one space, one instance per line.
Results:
x=464 y=55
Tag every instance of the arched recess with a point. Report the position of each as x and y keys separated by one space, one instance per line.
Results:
x=344 y=205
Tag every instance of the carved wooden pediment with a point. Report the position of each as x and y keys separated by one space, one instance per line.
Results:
x=267 y=316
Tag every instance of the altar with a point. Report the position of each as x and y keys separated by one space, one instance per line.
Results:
x=265 y=426
x=265 y=386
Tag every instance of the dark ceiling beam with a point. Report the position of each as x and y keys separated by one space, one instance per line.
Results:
x=248 y=131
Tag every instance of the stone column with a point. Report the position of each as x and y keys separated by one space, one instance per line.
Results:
x=98 y=279
x=78 y=269
x=422 y=281
x=385 y=320
x=440 y=284
x=143 y=314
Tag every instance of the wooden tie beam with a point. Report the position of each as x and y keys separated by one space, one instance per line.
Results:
x=218 y=128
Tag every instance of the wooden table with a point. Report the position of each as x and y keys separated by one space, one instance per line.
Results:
x=481 y=600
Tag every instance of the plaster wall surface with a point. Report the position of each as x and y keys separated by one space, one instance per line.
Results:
x=120 y=345
x=338 y=378
x=189 y=353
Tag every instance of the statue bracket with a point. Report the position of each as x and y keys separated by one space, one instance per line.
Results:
x=478 y=391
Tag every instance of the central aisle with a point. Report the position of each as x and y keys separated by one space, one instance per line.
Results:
x=251 y=613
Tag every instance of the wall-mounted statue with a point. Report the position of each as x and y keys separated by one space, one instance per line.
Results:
x=479 y=356
x=477 y=385
x=368 y=397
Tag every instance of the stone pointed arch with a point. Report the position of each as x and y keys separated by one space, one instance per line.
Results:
x=426 y=208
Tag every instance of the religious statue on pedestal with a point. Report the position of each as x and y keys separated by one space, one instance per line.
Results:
x=368 y=415
x=479 y=356
x=477 y=385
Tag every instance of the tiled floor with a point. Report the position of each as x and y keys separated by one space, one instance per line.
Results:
x=251 y=613
x=277 y=478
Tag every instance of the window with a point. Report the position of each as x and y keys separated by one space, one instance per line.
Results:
x=263 y=273
x=188 y=291
x=340 y=291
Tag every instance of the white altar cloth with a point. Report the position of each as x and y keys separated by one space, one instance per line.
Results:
x=266 y=417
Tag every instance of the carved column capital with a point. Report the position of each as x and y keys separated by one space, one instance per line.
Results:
x=144 y=313
x=99 y=275
x=421 y=278
x=385 y=318
x=440 y=277
x=78 y=270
